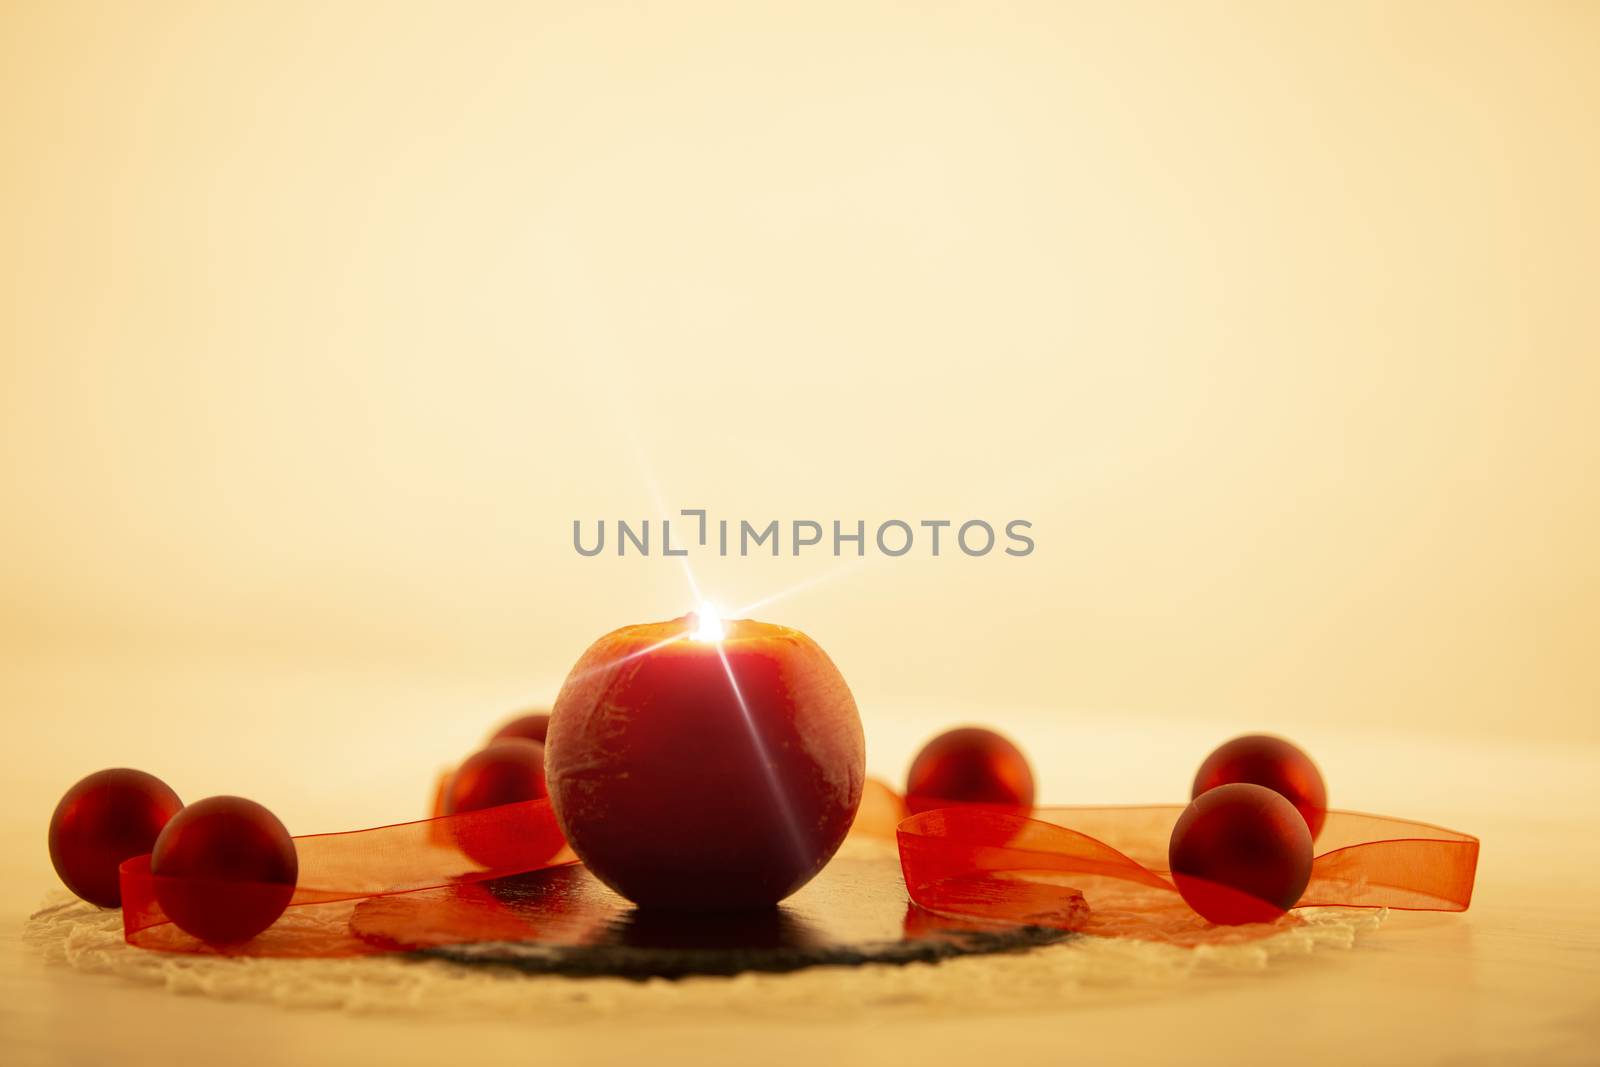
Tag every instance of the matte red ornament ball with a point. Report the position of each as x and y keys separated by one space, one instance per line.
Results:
x=507 y=771
x=1240 y=853
x=110 y=816
x=533 y=727
x=502 y=772
x=1279 y=765
x=225 y=869
x=969 y=765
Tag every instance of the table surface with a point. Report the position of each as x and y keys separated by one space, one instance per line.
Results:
x=1516 y=976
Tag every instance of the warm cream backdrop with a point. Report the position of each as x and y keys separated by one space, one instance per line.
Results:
x=320 y=324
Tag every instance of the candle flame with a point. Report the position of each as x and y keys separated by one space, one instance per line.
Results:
x=707 y=623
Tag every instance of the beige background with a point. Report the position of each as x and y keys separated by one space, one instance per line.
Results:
x=319 y=324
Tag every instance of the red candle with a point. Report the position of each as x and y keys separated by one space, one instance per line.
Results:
x=705 y=766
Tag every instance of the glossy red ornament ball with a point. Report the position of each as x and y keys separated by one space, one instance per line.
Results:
x=705 y=770
x=110 y=816
x=534 y=727
x=507 y=771
x=225 y=869
x=1262 y=759
x=969 y=765
x=1240 y=853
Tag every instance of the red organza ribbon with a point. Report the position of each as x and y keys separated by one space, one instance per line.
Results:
x=433 y=865
x=1096 y=870
x=1104 y=870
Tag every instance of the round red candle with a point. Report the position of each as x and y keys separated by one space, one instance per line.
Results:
x=108 y=817
x=225 y=869
x=1240 y=853
x=970 y=765
x=695 y=771
x=1262 y=759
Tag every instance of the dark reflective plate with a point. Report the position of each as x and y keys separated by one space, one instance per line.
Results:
x=564 y=921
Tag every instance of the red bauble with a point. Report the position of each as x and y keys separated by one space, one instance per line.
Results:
x=110 y=816
x=503 y=772
x=705 y=774
x=533 y=727
x=225 y=869
x=970 y=765
x=1273 y=762
x=508 y=771
x=1240 y=853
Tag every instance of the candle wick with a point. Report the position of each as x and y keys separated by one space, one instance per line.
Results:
x=708 y=623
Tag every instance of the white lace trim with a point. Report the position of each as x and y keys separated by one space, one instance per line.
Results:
x=69 y=932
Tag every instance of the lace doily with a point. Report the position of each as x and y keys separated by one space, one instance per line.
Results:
x=68 y=932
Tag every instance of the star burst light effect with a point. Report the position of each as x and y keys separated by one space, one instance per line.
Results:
x=708 y=626
x=627 y=430
x=707 y=623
